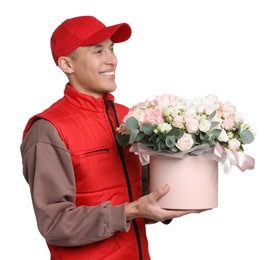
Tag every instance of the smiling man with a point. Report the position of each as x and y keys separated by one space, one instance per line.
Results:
x=86 y=189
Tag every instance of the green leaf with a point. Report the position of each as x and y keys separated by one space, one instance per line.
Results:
x=176 y=132
x=211 y=142
x=214 y=133
x=138 y=138
x=155 y=147
x=123 y=139
x=212 y=115
x=131 y=123
x=158 y=139
x=247 y=136
x=146 y=143
x=153 y=138
x=170 y=141
x=133 y=135
x=174 y=149
x=148 y=128
x=161 y=146
x=213 y=124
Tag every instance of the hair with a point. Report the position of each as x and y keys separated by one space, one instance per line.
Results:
x=74 y=55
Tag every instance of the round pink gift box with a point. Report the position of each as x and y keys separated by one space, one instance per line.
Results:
x=193 y=181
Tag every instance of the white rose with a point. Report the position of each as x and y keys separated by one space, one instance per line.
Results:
x=223 y=136
x=239 y=118
x=167 y=111
x=204 y=126
x=164 y=128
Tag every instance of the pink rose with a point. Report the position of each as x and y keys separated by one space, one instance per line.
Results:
x=229 y=123
x=210 y=109
x=178 y=121
x=152 y=115
x=234 y=144
x=166 y=100
x=192 y=125
x=228 y=106
x=201 y=108
x=185 y=142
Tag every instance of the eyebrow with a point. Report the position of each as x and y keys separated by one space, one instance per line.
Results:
x=101 y=45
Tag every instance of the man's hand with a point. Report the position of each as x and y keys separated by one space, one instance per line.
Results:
x=147 y=207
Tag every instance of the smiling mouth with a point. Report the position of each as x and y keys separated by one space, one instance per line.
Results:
x=110 y=73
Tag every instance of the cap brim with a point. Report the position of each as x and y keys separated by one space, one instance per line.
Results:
x=117 y=33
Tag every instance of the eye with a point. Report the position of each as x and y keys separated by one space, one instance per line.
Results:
x=98 y=51
x=111 y=48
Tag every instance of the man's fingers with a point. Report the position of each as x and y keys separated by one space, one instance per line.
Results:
x=161 y=191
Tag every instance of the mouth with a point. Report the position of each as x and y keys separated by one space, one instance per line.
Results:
x=108 y=73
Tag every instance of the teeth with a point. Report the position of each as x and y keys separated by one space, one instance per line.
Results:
x=111 y=73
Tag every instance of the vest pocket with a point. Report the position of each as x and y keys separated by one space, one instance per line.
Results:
x=93 y=151
x=88 y=157
x=90 y=165
x=81 y=158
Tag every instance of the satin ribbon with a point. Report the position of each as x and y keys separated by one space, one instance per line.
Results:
x=226 y=157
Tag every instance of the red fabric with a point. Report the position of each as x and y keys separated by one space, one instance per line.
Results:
x=83 y=125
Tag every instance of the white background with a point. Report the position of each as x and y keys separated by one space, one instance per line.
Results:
x=187 y=48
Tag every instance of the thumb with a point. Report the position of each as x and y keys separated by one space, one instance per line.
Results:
x=161 y=191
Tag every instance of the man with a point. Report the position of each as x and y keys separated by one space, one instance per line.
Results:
x=86 y=189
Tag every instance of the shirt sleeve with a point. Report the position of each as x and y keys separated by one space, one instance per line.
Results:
x=47 y=167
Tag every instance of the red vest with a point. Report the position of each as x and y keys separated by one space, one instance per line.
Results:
x=103 y=170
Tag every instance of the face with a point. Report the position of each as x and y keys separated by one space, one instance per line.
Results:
x=93 y=69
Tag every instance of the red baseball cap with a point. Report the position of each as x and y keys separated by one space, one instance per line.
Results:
x=84 y=31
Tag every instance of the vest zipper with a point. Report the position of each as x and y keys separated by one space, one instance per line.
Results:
x=120 y=150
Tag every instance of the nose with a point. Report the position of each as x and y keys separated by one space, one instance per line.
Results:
x=111 y=58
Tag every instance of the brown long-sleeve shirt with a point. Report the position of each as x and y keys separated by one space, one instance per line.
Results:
x=48 y=169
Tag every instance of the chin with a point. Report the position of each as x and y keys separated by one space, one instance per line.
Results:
x=111 y=89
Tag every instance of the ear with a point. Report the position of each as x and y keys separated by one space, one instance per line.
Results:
x=65 y=64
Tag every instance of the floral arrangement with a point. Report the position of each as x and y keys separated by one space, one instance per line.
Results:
x=174 y=125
